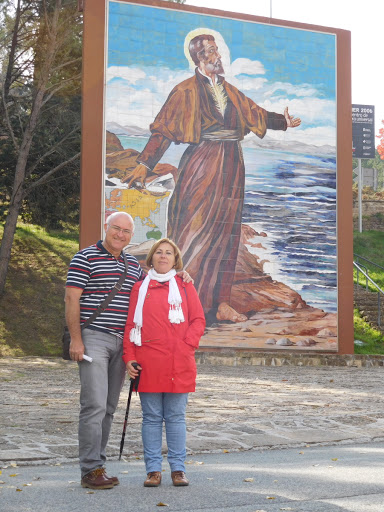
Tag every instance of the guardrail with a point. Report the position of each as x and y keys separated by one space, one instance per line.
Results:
x=359 y=268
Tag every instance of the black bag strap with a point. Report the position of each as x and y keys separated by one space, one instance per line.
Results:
x=103 y=305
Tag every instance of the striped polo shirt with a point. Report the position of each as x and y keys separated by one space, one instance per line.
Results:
x=96 y=271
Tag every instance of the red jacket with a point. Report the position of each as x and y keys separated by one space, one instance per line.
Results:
x=167 y=353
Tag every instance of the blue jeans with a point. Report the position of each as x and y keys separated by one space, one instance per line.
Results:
x=170 y=408
x=101 y=382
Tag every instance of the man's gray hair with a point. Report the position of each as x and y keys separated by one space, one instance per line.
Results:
x=114 y=215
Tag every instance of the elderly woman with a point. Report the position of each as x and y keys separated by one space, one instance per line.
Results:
x=164 y=326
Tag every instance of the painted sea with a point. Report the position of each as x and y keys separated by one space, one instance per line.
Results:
x=292 y=198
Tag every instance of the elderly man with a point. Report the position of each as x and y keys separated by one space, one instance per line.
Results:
x=92 y=274
x=205 y=211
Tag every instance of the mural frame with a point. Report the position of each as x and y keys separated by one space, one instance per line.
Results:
x=93 y=140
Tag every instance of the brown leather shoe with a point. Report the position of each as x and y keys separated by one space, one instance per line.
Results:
x=96 y=479
x=179 y=478
x=153 y=479
x=113 y=479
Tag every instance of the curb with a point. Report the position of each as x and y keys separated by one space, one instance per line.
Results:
x=249 y=358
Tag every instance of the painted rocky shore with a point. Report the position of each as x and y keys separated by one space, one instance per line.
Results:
x=278 y=317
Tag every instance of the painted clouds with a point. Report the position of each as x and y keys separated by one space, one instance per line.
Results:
x=135 y=96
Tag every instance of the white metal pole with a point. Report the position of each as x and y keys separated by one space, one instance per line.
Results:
x=360 y=188
x=270 y=8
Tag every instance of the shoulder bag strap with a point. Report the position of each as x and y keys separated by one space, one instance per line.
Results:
x=102 y=306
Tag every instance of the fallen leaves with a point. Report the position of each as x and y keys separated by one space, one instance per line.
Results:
x=161 y=504
x=248 y=479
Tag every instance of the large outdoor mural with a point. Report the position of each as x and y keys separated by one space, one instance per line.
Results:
x=221 y=134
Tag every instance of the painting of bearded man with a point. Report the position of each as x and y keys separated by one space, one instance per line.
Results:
x=205 y=211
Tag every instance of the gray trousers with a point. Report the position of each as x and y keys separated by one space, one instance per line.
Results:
x=101 y=382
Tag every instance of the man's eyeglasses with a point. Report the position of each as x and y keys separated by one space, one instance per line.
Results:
x=116 y=229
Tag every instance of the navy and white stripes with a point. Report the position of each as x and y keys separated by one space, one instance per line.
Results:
x=96 y=271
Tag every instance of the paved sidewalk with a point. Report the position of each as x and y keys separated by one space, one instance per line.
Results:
x=234 y=409
x=336 y=478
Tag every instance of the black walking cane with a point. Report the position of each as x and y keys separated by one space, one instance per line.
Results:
x=134 y=385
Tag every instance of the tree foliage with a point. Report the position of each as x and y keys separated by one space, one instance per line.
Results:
x=380 y=147
x=39 y=112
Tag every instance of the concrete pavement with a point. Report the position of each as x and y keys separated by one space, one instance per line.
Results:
x=238 y=421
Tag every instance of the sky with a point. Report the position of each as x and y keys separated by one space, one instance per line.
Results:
x=365 y=20
x=275 y=66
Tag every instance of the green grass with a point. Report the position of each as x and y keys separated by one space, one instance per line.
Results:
x=369 y=244
x=373 y=339
x=32 y=308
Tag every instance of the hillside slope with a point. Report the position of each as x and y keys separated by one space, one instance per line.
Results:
x=32 y=308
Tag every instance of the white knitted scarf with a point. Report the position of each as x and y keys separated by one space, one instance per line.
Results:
x=175 y=315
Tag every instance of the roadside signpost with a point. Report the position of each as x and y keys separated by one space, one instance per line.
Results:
x=363 y=143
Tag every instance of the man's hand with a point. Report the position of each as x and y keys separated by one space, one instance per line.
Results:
x=185 y=277
x=292 y=122
x=138 y=177
x=76 y=350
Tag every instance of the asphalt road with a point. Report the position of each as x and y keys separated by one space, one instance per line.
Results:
x=315 y=479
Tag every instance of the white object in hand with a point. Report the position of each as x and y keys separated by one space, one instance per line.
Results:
x=87 y=358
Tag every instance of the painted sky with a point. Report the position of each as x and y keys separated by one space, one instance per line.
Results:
x=363 y=19
x=275 y=66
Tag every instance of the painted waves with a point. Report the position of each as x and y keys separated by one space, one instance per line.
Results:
x=292 y=198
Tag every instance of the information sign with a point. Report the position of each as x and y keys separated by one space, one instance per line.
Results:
x=363 y=131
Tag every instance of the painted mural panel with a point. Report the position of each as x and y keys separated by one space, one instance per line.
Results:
x=221 y=134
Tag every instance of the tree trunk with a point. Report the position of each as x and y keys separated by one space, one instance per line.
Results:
x=12 y=52
x=16 y=202
x=8 y=236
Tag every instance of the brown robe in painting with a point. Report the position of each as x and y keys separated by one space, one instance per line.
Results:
x=204 y=214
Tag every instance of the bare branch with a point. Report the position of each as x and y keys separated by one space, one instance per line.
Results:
x=68 y=63
x=51 y=150
x=48 y=174
x=54 y=89
x=8 y=122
